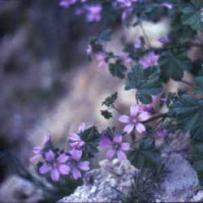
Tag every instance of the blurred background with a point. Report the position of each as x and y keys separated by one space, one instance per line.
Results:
x=47 y=84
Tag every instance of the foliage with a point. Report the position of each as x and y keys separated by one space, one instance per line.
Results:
x=146 y=69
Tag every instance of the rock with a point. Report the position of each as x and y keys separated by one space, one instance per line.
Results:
x=114 y=181
x=16 y=189
x=180 y=180
x=198 y=197
x=111 y=183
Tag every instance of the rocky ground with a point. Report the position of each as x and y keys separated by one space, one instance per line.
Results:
x=114 y=182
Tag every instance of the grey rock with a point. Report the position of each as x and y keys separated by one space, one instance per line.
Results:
x=180 y=181
x=16 y=189
x=198 y=197
x=114 y=181
x=111 y=183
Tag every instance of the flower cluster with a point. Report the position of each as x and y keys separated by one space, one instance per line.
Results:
x=93 y=12
x=62 y=162
x=70 y=162
x=144 y=69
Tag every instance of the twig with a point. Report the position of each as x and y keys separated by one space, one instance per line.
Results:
x=163 y=115
x=186 y=82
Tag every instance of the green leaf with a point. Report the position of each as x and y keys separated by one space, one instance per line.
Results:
x=110 y=100
x=173 y=66
x=191 y=16
x=198 y=165
x=117 y=70
x=145 y=81
x=105 y=35
x=91 y=138
x=199 y=84
x=188 y=112
x=146 y=155
x=106 y=114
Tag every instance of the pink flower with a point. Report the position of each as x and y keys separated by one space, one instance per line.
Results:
x=38 y=150
x=126 y=3
x=125 y=58
x=94 y=13
x=89 y=50
x=101 y=59
x=115 y=147
x=75 y=139
x=56 y=166
x=161 y=133
x=164 y=39
x=148 y=60
x=138 y=43
x=134 y=121
x=167 y=5
x=67 y=3
x=76 y=166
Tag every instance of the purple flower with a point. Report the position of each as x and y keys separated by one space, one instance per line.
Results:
x=67 y=3
x=148 y=60
x=125 y=58
x=76 y=166
x=89 y=50
x=167 y=5
x=161 y=133
x=115 y=147
x=164 y=39
x=75 y=140
x=54 y=165
x=134 y=121
x=101 y=59
x=94 y=13
x=138 y=43
x=38 y=150
x=126 y=3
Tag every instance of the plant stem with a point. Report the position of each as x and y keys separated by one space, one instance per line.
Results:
x=187 y=83
x=163 y=115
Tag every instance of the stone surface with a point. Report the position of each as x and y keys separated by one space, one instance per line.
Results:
x=16 y=189
x=180 y=181
x=111 y=183
x=179 y=184
x=198 y=197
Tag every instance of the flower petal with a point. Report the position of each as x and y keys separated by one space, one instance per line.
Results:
x=134 y=110
x=45 y=168
x=125 y=146
x=76 y=173
x=143 y=116
x=121 y=155
x=82 y=127
x=49 y=156
x=84 y=165
x=110 y=153
x=117 y=139
x=140 y=128
x=124 y=119
x=55 y=175
x=128 y=128
x=35 y=158
x=74 y=137
x=76 y=154
x=62 y=158
x=37 y=150
x=64 y=169
x=105 y=142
